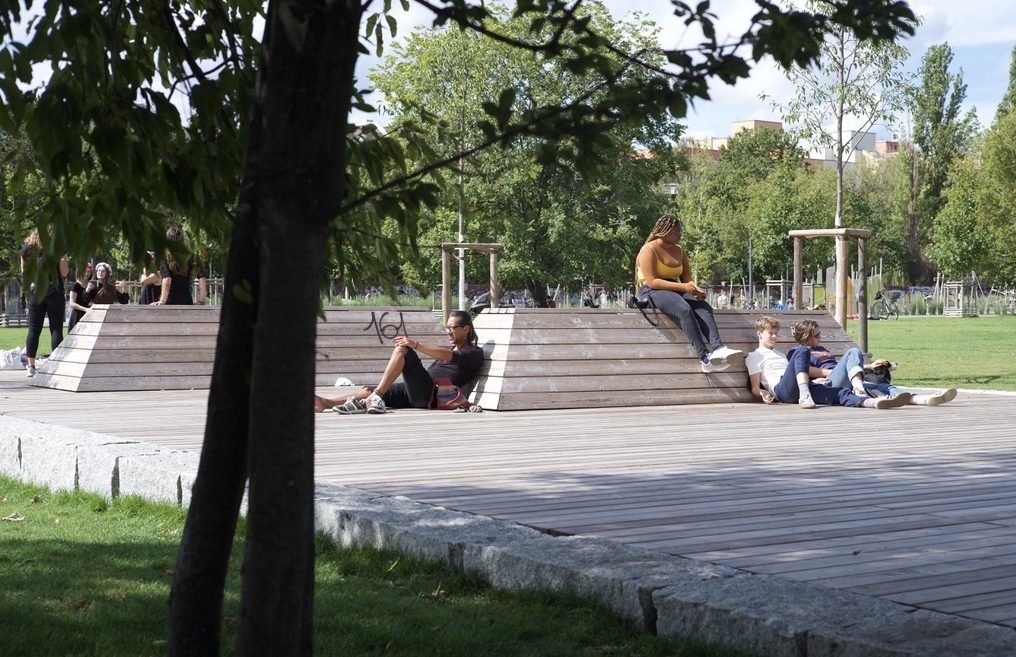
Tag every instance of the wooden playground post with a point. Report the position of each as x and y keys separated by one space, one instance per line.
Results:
x=446 y=270
x=841 y=235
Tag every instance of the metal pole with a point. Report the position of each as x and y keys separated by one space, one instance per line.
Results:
x=862 y=294
x=798 y=271
x=749 y=302
x=446 y=288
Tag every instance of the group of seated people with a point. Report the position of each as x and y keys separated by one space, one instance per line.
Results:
x=807 y=375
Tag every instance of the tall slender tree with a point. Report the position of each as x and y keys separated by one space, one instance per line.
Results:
x=854 y=81
x=942 y=132
x=1008 y=101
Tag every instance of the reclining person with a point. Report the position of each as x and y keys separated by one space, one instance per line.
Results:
x=778 y=378
x=460 y=362
x=850 y=369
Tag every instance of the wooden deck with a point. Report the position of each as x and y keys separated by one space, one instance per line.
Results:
x=915 y=505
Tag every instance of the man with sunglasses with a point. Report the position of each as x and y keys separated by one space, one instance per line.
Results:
x=459 y=361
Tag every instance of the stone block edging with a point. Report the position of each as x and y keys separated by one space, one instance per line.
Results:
x=655 y=592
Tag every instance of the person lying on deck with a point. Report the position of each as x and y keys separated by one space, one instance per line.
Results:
x=460 y=362
x=787 y=379
x=850 y=370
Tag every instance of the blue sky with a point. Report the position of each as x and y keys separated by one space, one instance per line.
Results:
x=980 y=32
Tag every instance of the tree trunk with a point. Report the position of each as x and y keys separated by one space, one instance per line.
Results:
x=195 y=617
x=261 y=403
x=538 y=290
x=304 y=90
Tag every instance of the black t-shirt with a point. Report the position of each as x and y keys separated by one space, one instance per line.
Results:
x=180 y=287
x=461 y=369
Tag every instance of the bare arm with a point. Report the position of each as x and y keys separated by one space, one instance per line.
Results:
x=435 y=352
x=164 y=295
x=757 y=391
x=694 y=289
x=646 y=262
x=150 y=279
x=75 y=304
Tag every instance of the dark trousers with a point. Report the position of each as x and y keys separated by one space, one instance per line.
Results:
x=787 y=391
x=694 y=316
x=51 y=306
x=417 y=386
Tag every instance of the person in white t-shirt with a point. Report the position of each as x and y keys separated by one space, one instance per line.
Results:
x=787 y=379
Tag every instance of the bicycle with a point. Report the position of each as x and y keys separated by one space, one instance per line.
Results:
x=885 y=306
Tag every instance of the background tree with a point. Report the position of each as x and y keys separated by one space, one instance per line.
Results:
x=941 y=133
x=1008 y=101
x=855 y=80
x=278 y=152
x=561 y=220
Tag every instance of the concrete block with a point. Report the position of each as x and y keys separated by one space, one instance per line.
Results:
x=10 y=449
x=97 y=465
x=49 y=455
x=158 y=476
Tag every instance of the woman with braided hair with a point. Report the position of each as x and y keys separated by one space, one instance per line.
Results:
x=663 y=274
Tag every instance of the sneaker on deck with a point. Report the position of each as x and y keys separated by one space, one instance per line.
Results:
x=29 y=371
x=375 y=405
x=943 y=397
x=805 y=401
x=351 y=407
x=893 y=401
x=709 y=366
x=724 y=354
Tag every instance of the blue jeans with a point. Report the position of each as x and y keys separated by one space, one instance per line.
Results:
x=694 y=316
x=787 y=392
x=847 y=367
x=884 y=388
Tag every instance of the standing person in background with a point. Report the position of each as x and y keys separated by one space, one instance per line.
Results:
x=80 y=296
x=51 y=305
x=663 y=273
x=151 y=283
x=176 y=280
x=604 y=298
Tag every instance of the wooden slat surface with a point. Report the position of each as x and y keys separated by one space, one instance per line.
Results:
x=916 y=505
x=575 y=358
x=122 y=347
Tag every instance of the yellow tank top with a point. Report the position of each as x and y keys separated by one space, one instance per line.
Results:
x=662 y=271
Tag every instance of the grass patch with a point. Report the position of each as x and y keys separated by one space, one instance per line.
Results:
x=941 y=352
x=11 y=337
x=83 y=577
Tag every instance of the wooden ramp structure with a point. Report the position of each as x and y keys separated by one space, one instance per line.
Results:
x=541 y=358
x=129 y=347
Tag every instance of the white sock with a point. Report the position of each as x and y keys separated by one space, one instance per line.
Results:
x=804 y=391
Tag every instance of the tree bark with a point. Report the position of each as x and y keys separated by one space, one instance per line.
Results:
x=304 y=91
x=260 y=412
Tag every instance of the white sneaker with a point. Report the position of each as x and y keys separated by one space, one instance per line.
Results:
x=892 y=401
x=806 y=402
x=724 y=354
x=29 y=371
x=709 y=366
x=375 y=405
x=350 y=407
x=943 y=397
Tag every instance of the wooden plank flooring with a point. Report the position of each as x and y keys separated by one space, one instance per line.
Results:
x=915 y=505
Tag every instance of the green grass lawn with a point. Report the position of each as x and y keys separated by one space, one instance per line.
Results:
x=941 y=352
x=79 y=576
